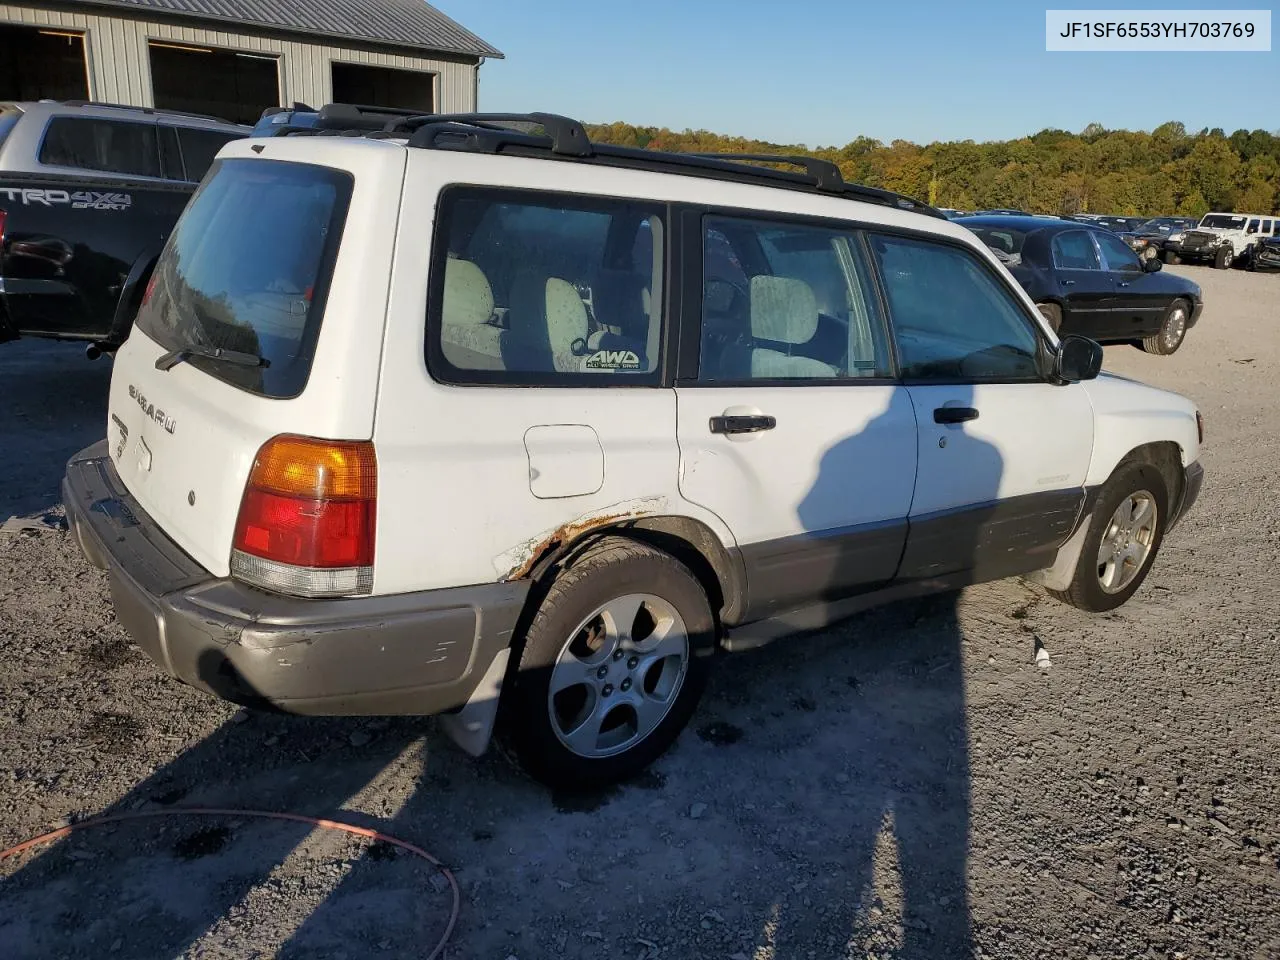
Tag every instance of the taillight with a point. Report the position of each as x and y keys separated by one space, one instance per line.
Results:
x=150 y=289
x=4 y=216
x=306 y=523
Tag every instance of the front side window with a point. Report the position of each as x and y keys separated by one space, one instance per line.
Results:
x=1119 y=256
x=787 y=302
x=546 y=288
x=1074 y=250
x=111 y=146
x=247 y=270
x=953 y=320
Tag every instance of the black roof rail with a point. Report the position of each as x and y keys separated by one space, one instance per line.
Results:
x=566 y=138
x=825 y=173
x=149 y=110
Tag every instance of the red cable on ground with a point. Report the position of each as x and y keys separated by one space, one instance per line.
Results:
x=261 y=815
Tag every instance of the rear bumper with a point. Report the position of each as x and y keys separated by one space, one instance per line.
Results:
x=418 y=653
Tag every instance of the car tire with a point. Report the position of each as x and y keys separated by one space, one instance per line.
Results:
x=1148 y=253
x=1223 y=258
x=1052 y=313
x=1173 y=330
x=1171 y=258
x=1122 y=541
x=633 y=698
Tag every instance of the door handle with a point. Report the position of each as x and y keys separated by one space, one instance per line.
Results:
x=1068 y=283
x=1125 y=283
x=747 y=424
x=954 y=415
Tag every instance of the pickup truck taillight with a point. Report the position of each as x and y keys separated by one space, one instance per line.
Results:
x=306 y=522
x=4 y=215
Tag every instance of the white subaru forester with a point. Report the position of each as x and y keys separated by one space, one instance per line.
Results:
x=473 y=412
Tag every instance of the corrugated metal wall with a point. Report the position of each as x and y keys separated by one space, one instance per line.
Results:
x=120 y=70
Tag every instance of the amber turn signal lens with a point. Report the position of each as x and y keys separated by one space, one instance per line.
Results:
x=316 y=469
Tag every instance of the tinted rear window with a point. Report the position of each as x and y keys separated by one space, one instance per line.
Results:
x=8 y=120
x=108 y=145
x=247 y=269
x=199 y=147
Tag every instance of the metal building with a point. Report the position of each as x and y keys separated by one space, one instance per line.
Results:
x=234 y=58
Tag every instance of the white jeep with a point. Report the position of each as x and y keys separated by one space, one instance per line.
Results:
x=462 y=415
x=1223 y=239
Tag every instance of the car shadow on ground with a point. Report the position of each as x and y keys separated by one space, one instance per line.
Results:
x=53 y=404
x=868 y=798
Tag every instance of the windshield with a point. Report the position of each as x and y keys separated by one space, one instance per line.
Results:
x=1223 y=221
x=1162 y=225
x=247 y=270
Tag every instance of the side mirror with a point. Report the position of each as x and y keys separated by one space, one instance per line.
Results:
x=1152 y=265
x=1079 y=358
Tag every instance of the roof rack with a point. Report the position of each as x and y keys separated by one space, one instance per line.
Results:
x=149 y=110
x=558 y=137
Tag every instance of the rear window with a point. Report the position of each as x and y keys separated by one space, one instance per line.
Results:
x=199 y=147
x=108 y=145
x=247 y=270
x=8 y=120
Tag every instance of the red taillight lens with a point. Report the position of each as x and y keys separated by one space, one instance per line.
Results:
x=150 y=289
x=306 y=522
x=4 y=216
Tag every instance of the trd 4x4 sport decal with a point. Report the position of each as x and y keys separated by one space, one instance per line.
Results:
x=76 y=200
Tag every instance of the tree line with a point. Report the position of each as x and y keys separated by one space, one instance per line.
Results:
x=1120 y=172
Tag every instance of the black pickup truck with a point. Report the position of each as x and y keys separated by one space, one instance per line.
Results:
x=88 y=195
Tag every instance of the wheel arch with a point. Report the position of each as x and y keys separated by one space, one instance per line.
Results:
x=131 y=294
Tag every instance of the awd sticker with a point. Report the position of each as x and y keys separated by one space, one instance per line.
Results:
x=612 y=360
x=76 y=200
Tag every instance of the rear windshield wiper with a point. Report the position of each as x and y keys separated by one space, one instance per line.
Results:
x=175 y=357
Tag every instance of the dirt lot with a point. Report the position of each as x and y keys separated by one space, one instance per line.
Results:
x=909 y=785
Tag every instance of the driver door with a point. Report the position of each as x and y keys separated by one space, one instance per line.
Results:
x=1002 y=453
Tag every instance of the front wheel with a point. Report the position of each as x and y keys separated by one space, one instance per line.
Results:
x=1149 y=253
x=1173 y=330
x=1122 y=541
x=1052 y=313
x=1223 y=258
x=612 y=667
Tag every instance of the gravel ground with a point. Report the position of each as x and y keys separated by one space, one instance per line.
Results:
x=908 y=785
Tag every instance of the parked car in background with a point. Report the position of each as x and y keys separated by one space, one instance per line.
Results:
x=449 y=430
x=1265 y=255
x=88 y=195
x=332 y=116
x=1087 y=281
x=1148 y=238
x=1224 y=239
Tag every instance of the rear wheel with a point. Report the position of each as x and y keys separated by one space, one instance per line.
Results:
x=613 y=665
x=1053 y=313
x=1173 y=330
x=1223 y=258
x=1122 y=542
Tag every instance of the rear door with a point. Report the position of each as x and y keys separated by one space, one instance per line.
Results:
x=283 y=261
x=792 y=427
x=1002 y=453
x=1086 y=288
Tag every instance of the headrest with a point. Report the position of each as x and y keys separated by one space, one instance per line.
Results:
x=783 y=310
x=468 y=298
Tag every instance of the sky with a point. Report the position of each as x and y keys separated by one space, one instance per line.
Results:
x=822 y=73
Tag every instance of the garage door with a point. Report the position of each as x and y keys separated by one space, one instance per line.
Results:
x=383 y=87
x=39 y=64
x=221 y=83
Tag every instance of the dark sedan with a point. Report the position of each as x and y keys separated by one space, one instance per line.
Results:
x=1087 y=281
x=1265 y=254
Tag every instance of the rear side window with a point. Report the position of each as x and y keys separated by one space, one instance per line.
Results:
x=199 y=147
x=108 y=145
x=247 y=270
x=546 y=288
x=1074 y=250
